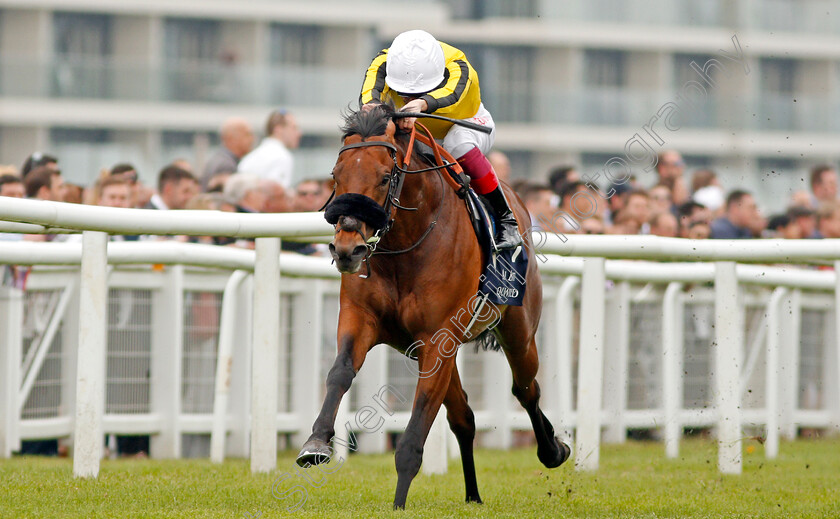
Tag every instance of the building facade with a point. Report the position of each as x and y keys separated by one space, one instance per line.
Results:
x=749 y=88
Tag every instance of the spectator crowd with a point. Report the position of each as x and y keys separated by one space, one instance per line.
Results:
x=258 y=179
x=238 y=177
x=678 y=205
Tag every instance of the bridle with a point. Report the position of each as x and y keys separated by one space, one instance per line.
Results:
x=392 y=200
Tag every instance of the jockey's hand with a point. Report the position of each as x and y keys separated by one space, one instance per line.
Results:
x=370 y=106
x=415 y=105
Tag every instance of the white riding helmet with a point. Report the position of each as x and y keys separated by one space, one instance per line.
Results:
x=415 y=63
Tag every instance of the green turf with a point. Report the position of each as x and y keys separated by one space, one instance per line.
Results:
x=635 y=480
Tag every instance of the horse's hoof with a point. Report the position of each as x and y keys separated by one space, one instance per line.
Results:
x=556 y=458
x=314 y=452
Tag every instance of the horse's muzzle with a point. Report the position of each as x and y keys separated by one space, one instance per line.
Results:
x=348 y=261
x=348 y=249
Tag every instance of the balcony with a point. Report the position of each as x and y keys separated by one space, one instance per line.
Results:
x=809 y=16
x=183 y=82
x=791 y=112
x=334 y=88
x=706 y=13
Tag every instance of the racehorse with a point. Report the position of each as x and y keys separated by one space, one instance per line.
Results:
x=413 y=289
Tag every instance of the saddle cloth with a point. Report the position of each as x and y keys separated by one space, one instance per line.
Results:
x=503 y=276
x=502 y=281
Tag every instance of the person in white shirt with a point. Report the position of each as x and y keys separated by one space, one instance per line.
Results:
x=272 y=159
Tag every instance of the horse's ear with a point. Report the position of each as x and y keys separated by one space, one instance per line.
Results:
x=391 y=129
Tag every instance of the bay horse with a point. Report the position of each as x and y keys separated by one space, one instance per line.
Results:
x=414 y=288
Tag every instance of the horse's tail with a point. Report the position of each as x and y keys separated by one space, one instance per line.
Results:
x=487 y=341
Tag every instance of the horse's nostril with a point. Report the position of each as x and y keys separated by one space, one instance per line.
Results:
x=332 y=249
x=360 y=250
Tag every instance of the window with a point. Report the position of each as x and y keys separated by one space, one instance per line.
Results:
x=78 y=34
x=296 y=44
x=703 y=115
x=479 y=9
x=192 y=40
x=295 y=52
x=778 y=80
x=778 y=75
x=193 y=67
x=604 y=68
x=505 y=77
x=604 y=81
x=700 y=12
x=82 y=44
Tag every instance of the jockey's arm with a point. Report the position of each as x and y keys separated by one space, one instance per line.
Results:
x=451 y=92
x=415 y=105
x=374 y=82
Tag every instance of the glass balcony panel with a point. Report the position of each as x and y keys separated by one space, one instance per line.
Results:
x=296 y=85
x=797 y=15
x=23 y=76
x=639 y=12
x=335 y=88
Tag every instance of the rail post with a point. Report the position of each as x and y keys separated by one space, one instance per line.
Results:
x=564 y=313
x=90 y=370
x=789 y=362
x=167 y=362
x=497 y=383
x=11 y=342
x=590 y=367
x=616 y=362
x=727 y=348
x=771 y=388
x=224 y=365
x=306 y=351
x=239 y=438
x=672 y=360
x=834 y=371
x=265 y=355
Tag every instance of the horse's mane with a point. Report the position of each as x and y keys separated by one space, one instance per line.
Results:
x=368 y=123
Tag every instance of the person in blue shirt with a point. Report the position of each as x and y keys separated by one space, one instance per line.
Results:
x=741 y=215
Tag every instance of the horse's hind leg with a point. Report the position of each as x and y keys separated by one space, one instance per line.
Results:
x=523 y=360
x=462 y=422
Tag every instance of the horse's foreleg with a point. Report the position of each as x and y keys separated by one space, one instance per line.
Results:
x=462 y=422
x=355 y=338
x=428 y=397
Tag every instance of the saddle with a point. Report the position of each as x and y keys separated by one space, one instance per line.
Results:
x=503 y=274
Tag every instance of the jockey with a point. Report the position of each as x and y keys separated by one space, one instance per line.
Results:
x=419 y=74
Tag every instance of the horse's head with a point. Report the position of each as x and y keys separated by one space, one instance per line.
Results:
x=363 y=177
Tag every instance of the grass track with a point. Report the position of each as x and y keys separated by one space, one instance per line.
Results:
x=635 y=480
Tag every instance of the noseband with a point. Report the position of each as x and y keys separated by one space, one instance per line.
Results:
x=371 y=212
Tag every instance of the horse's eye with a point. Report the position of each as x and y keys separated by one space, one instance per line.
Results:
x=385 y=180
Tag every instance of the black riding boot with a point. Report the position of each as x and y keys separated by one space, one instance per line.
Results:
x=507 y=232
